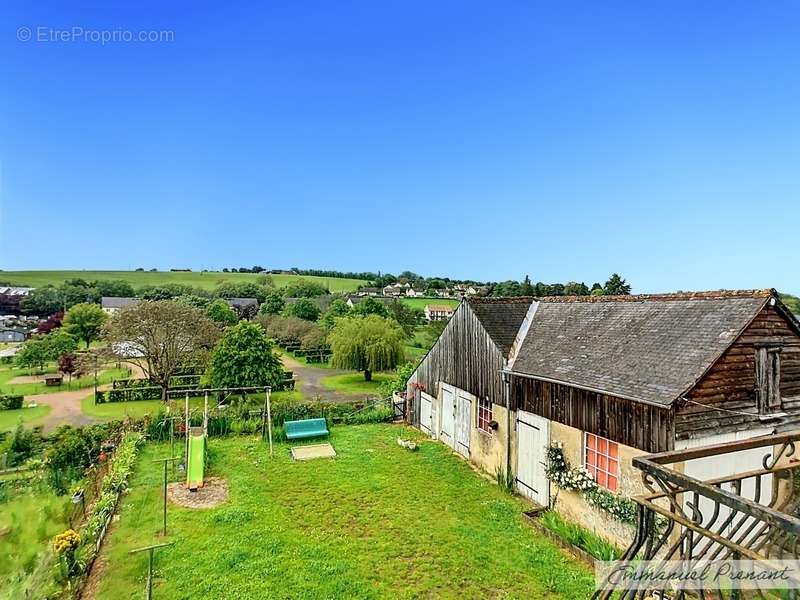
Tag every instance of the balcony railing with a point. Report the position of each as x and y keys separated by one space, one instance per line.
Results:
x=750 y=515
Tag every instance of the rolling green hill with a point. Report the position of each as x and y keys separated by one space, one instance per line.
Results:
x=207 y=280
x=792 y=302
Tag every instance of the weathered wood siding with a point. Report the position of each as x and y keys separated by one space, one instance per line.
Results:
x=731 y=383
x=464 y=356
x=634 y=424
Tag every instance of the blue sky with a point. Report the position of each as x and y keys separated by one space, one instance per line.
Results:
x=484 y=140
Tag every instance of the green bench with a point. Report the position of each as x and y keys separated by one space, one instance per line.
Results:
x=307 y=428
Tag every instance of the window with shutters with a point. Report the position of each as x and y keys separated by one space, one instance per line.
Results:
x=768 y=379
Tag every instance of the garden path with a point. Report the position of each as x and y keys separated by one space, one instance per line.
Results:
x=309 y=379
x=65 y=408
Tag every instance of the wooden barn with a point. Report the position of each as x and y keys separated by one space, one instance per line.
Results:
x=609 y=378
x=458 y=391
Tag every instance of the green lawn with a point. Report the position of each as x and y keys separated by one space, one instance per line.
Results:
x=412 y=352
x=353 y=383
x=28 y=416
x=140 y=278
x=32 y=519
x=420 y=303
x=26 y=389
x=301 y=359
x=377 y=521
x=112 y=411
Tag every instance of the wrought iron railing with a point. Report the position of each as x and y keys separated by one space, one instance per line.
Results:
x=750 y=515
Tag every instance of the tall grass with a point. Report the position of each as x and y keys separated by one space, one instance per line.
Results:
x=580 y=537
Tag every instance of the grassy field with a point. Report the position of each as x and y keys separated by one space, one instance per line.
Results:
x=29 y=417
x=354 y=383
x=32 y=519
x=8 y=373
x=420 y=303
x=140 y=278
x=337 y=529
x=301 y=359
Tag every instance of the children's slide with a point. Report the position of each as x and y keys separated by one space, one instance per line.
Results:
x=197 y=459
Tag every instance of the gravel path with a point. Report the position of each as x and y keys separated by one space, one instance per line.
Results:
x=65 y=408
x=309 y=379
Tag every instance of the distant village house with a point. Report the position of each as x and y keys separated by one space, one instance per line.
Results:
x=438 y=312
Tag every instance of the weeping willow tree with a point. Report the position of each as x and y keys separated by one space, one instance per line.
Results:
x=371 y=343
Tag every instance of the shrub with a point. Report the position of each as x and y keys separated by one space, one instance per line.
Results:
x=243 y=358
x=303 y=308
x=73 y=450
x=21 y=446
x=303 y=288
x=113 y=484
x=11 y=402
x=399 y=380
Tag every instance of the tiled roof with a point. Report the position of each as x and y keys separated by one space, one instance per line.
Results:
x=242 y=302
x=501 y=317
x=650 y=348
x=114 y=302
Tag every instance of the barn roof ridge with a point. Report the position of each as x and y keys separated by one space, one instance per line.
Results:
x=666 y=296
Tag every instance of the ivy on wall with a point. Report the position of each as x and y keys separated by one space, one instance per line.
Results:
x=578 y=479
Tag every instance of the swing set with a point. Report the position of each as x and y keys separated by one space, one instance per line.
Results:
x=195 y=446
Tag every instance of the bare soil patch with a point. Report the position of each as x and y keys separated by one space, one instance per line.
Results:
x=213 y=493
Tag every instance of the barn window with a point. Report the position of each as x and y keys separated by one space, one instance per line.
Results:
x=768 y=379
x=601 y=459
x=484 y=414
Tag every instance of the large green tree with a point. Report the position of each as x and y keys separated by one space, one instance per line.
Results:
x=244 y=289
x=85 y=321
x=304 y=288
x=367 y=344
x=407 y=317
x=220 y=312
x=616 y=286
x=303 y=308
x=273 y=304
x=337 y=309
x=33 y=354
x=160 y=336
x=114 y=287
x=370 y=306
x=60 y=342
x=244 y=358
x=42 y=302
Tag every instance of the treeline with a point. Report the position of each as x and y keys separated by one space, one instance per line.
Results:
x=615 y=286
x=418 y=281
x=50 y=299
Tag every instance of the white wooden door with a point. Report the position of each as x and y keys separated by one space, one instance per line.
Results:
x=447 y=418
x=463 y=421
x=426 y=413
x=533 y=437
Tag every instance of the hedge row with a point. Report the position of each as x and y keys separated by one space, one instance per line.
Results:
x=178 y=381
x=10 y=402
x=133 y=394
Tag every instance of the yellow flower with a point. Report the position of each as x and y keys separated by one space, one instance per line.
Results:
x=66 y=541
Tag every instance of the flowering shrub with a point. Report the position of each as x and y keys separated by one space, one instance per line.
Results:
x=578 y=479
x=113 y=484
x=66 y=541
